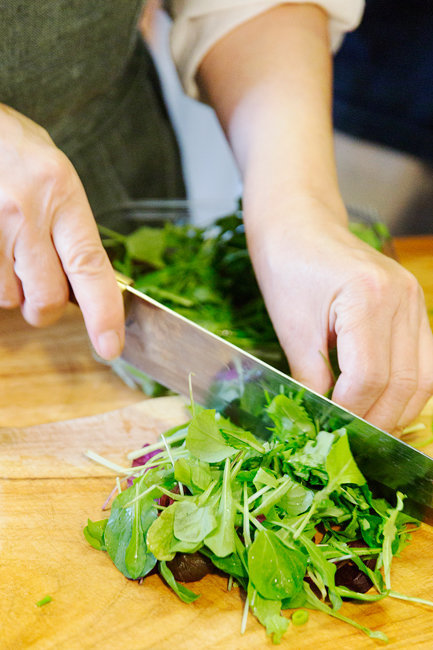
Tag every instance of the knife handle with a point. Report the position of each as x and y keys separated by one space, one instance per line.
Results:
x=123 y=281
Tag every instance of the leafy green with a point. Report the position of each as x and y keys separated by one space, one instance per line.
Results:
x=271 y=514
x=193 y=523
x=268 y=612
x=290 y=419
x=184 y=594
x=275 y=570
x=193 y=473
x=161 y=539
x=94 y=533
x=222 y=540
x=205 y=440
x=341 y=466
x=125 y=534
x=389 y=535
x=147 y=245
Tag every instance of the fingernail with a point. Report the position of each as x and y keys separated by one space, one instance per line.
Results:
x=109 y=345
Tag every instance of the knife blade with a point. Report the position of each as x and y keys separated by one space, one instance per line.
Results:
x=173 y=351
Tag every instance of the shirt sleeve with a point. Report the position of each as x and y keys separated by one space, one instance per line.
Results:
x=198 y=24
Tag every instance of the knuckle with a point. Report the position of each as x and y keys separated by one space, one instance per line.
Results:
x=50 y=300
x=368 y=380
x=10 y=207
x=405 y=381
x=9 y=301
x=55 y=169
x=375 y=382
x=86 y=259
x=426 y=385
x=377 y=283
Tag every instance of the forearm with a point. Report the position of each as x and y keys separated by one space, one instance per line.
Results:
x=269 y=81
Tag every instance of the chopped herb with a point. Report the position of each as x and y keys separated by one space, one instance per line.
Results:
x=44 y=601
x=300 y=617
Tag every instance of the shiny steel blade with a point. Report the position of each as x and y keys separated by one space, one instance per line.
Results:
x=169 y=347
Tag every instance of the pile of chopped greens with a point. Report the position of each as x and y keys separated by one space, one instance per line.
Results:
x=290 y=520
x=206 y=275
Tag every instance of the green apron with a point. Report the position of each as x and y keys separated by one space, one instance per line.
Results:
x=80 y=69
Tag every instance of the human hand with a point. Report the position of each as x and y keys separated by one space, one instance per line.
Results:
x=323 y=286
x=48 y=235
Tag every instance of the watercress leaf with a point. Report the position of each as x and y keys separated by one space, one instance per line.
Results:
x=290 y=419
x=275 y=570
x=182 y=592
x=193 y=523
x=94 y=533
x=204 y=439
x=147 y=244
x=268 y=613
x=341 y=466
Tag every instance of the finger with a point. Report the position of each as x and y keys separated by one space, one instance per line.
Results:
x=425 y=373
x=387 y=410
x=88 y=268
x=306 y=348
x=10 y=287
x=364 y=357
x=44 y=286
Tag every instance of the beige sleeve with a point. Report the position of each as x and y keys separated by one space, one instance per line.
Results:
x=198 y=24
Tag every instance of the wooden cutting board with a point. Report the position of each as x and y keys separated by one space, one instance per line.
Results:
x=48 y=489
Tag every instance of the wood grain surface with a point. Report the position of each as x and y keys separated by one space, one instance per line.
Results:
x=48 y=488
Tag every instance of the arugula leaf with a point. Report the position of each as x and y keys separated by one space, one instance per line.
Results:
x=290 y=419
x=193 y=473
x=193 y=523
x=264 y=477
x=389 y=534
x=161 y=540
x=341 y=466
x=238 y=437
x=222 y=540
x=147 y=244
x=326 y=569
x=268 y=613
x=231 y=564
x=182 y=592
x=274 y=496
x=204 y=439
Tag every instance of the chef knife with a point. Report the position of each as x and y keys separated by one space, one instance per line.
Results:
x=174 y=351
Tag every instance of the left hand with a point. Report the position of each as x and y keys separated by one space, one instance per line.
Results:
x=323 y=286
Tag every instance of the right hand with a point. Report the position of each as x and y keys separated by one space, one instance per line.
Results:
x=48 y=235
